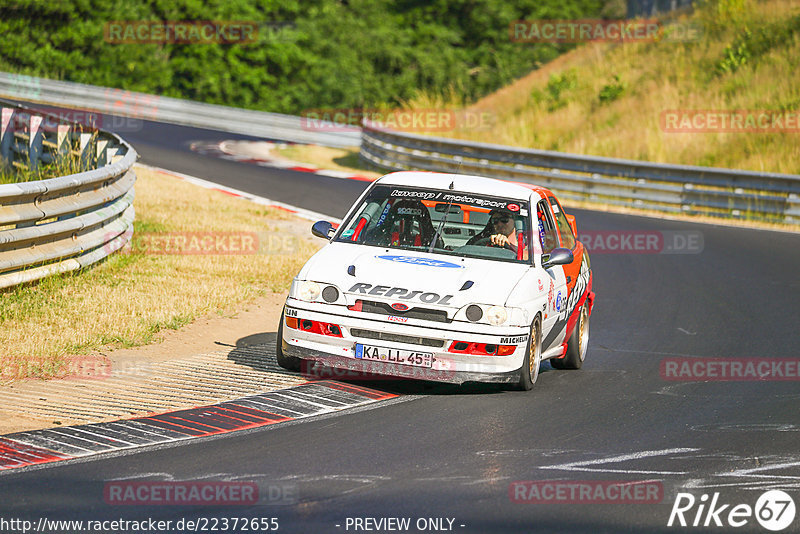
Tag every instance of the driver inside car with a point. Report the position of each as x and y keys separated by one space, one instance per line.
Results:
x=500 y=231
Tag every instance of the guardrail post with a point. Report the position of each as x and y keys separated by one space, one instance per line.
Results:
x=111 y=154
x=85 y=147
x=63 y=141
x=102 y=152
x=6 y=134
x=34 y=140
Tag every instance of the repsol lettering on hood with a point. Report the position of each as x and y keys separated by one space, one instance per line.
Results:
x=400 y=293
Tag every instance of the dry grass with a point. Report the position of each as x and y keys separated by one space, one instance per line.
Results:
x=656 y=77
x=127 y=299
x=337 y=159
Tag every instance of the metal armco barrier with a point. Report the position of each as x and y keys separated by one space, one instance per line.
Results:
x=684 y=189
x=66 y=223
x=172 y=110
x=667 y=188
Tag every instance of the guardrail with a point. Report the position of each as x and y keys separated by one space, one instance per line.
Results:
x=684 y=189
x=661 y=187
x=171 y=110
x=66 y=223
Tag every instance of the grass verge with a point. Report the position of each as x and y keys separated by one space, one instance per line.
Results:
x=127 y=299
x=336 y=159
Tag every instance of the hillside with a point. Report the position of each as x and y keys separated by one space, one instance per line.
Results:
x=610 y=99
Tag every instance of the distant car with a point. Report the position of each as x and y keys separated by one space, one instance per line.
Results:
x=417 y=283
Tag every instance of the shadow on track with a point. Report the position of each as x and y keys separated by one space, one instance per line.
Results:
x=264 y=342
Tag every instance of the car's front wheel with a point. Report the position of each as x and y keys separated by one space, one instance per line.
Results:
x=533 y=357
x=291 y=363
x=576 y=346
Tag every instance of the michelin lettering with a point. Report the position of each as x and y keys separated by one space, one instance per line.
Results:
x=514 y=340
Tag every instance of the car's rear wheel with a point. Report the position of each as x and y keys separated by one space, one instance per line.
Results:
x=291 y=363
x=533 y=357
x=576 y=346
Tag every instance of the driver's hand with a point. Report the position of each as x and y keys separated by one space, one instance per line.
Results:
x=499 y=240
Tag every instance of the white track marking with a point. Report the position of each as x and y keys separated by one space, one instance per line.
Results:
x=581 y=466
x=748 y=472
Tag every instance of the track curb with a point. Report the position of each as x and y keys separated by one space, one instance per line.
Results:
x=36 y=447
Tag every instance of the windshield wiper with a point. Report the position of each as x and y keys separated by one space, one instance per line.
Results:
x=441 y=224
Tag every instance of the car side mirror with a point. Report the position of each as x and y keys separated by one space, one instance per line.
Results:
x=558 y=256
x=322 y=229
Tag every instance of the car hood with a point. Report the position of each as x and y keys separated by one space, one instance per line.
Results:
x=412 y=277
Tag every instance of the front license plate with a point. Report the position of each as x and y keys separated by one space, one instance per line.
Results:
x=402 y=357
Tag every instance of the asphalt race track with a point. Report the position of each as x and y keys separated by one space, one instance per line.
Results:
x=452 y=453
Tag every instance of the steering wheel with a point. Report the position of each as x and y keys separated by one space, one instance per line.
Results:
x=488 y=241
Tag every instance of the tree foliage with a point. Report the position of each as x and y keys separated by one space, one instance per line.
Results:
x=309 y=54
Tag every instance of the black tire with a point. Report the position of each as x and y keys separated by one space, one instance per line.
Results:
x=533 y=357
x=576 y=346
x=290 y=363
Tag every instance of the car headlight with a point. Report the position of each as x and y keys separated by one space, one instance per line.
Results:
x=308 y=291
x=496 y=315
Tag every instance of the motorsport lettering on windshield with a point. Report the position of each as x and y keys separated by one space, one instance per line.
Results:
x=445 y=196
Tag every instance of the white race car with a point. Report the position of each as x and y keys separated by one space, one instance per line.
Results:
x=443 y=277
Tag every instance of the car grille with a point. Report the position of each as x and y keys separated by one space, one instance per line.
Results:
x=398 y=338
x=425 y=314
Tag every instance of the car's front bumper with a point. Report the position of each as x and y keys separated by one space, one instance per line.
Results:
x=340 y=353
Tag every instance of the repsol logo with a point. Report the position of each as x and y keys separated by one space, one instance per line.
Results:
x=401 y=293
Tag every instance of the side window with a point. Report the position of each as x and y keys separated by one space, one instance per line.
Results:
x=547 y=232
x=567 y=239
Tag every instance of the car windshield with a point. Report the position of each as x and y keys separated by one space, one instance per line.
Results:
x=443 y=222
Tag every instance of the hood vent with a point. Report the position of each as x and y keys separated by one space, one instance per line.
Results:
x=467 y=285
